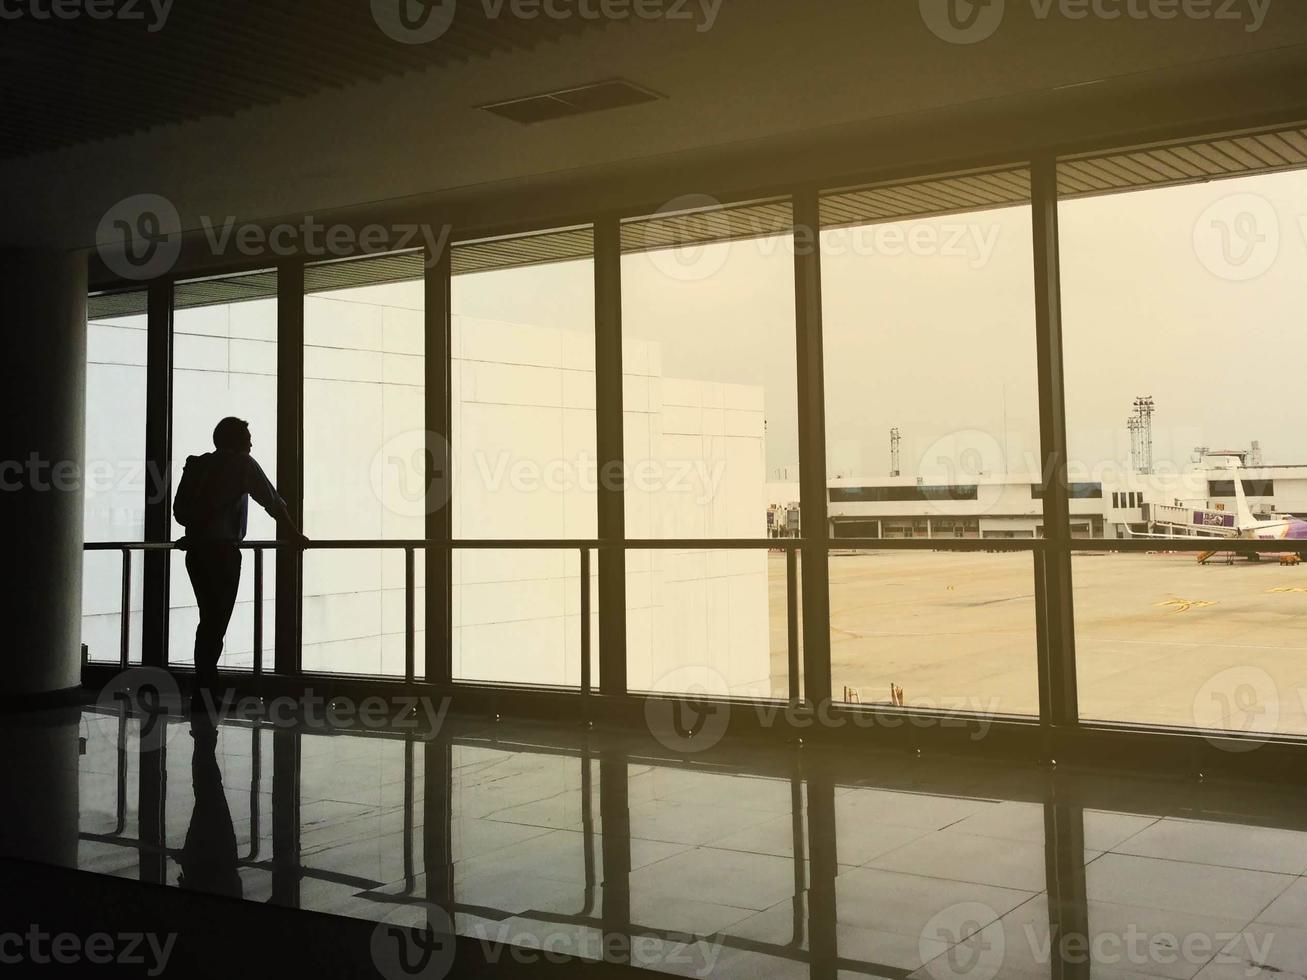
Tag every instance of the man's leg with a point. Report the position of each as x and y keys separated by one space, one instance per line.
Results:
x=215 y=573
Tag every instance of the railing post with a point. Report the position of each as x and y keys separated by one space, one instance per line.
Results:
x=410 y=622
x=586 y=681
x=125 y=620
x=792 y=620
x=258 y=612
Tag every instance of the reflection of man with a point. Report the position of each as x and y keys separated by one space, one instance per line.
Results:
x=208 y=858
x=212 y=504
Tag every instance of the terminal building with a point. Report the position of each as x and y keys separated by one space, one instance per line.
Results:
x=1012 y=507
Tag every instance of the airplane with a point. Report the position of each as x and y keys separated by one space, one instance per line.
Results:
x=1241 y=525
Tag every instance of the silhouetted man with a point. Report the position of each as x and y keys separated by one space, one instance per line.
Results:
x=212 y=504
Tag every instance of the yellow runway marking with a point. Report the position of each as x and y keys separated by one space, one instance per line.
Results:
x=1184 y=605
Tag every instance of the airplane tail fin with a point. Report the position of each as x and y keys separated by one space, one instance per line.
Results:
x=1244 y=513
x=1241 y=503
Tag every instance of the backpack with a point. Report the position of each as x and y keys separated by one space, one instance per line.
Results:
x=191 y=504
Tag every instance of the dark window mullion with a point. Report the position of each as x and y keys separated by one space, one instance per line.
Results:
x=1058 y=650
x=610 y=452
x=812 y=448
x=439 y=425
x=290 y=462
x=158 y=472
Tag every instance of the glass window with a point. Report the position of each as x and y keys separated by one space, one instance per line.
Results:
x=932 y=428
x=711 y=441
x=365 y=464
x=1167 y=293
x=524 y=453
x=225 y=364
x=114 y=503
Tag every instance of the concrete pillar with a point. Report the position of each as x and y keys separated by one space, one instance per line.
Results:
x=42 y=418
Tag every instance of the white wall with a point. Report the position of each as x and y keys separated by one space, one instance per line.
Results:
x=524 y=467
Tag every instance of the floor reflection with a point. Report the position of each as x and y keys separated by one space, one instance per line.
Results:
x=742 y=861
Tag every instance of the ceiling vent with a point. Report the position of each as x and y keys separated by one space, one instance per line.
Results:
x=572 y=101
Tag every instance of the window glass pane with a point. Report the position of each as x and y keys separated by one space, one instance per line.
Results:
x=710 y=429
x=932 y=431
x=524 y=452
x=365 y=466
x=1165 y=639
x=950 y=632
x=1160 y=286
x=225 y=364
x=1177 y=300
x=114 y=477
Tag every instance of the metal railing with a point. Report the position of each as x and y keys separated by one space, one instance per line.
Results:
x=1039 y=547
x=410 y=547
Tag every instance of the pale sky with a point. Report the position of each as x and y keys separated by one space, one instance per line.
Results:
x=929 y=326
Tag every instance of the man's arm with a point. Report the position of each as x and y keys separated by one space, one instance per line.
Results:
x=258 y=486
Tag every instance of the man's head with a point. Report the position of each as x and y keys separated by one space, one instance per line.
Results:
x=233 y=435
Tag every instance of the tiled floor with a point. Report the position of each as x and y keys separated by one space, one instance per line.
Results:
x=745 y=861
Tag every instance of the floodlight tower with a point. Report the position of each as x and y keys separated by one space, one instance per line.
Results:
x=895 y=438
x=1144 y=409
x=1135 y=425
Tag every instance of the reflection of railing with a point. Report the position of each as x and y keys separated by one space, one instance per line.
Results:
x=795 y=950
x=410 y=547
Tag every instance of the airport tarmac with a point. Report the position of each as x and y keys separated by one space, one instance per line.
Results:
x=1160 y=639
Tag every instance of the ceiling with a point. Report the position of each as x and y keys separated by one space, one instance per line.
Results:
x=68 y=80
x=240 y=112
